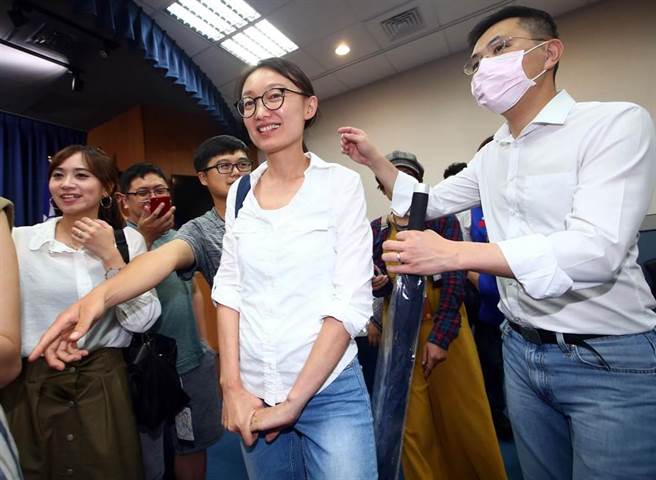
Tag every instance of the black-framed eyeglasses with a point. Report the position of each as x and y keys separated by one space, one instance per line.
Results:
x=272 y=99
x=146 y=193
x=497 y=46
x=226 y=168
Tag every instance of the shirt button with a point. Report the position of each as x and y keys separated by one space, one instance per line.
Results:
x=70 y=437
x=72 y=369
x=69 y=472
x=71 y=403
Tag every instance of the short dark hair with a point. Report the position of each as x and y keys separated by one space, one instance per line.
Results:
x=287 y=69
x=219 y=145
x=538 y=22
x=454 y=169
x=139 y=170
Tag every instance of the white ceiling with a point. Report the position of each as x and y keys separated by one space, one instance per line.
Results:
x=317 y=26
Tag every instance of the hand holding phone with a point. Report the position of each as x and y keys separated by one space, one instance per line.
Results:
x=157 y=201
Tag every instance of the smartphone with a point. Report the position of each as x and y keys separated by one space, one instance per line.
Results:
x=157 y=201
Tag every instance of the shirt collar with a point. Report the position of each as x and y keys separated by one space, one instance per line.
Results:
x=43 y=233
x=553 y=113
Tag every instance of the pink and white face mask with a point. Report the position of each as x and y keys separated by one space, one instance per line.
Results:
x=500 y=82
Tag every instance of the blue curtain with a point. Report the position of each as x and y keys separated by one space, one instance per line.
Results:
x=24 y=149
x=127 y=20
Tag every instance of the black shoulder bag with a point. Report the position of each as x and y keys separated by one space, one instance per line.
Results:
x=157 y=395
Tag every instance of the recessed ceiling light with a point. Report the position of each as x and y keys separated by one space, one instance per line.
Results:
x=236 y=25
x=342 y=49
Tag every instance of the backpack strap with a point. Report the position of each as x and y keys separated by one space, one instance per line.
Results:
x=242 y=190
x=122 y=244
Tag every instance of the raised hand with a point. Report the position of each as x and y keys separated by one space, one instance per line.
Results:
x=152 y=226
x=356 y=144
x=96 y=236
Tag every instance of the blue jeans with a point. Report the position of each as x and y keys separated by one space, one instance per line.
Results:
x=575 y=417
x=332 y=439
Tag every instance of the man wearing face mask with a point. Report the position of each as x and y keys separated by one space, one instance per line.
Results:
x=564 y=187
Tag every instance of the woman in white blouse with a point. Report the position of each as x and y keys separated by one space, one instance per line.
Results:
x=77 y=419
x=294 y=289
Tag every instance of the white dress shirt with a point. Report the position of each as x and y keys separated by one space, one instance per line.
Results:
x=53 y=276
x=564 y=202
x=464 y=219
x=285 y=270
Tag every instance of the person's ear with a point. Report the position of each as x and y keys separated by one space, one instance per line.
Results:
x=122 y=199
x=554 y=49
x=311 y=106
x=202 y=178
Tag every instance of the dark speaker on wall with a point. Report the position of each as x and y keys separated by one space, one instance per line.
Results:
x=191 y=199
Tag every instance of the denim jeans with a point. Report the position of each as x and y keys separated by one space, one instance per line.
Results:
x=576 y=417
x=332 y=439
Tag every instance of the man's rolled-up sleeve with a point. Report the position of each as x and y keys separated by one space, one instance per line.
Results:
x=615 y=184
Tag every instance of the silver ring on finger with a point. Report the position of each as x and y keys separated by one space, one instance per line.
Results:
x=398 y=257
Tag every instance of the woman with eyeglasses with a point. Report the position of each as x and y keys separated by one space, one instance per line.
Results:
x=76 y=420
x=294 y=289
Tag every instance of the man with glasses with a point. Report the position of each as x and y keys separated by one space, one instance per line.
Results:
x=197 y=246
x=140 y=183
x=181 y=319
x=564 y=187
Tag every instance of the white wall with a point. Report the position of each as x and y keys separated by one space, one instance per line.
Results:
x=610 y=54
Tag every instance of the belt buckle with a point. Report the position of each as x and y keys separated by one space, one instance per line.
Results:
x=531 y=334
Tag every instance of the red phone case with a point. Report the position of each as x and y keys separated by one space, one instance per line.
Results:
x=156 y=201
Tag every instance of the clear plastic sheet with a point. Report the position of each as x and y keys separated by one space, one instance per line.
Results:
x=396 y=356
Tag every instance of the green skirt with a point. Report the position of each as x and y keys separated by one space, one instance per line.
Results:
x=77 y=423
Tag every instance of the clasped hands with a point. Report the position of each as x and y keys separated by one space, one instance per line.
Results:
x=247 y=415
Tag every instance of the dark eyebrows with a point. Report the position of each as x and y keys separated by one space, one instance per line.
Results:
x=76 y=170
x=492 y=40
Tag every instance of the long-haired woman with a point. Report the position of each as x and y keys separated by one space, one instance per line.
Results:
x=76 y=420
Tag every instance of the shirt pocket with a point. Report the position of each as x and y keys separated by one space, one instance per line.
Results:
x=252 y=247
x=310 y=239
x=307 y=249
x=547 y=200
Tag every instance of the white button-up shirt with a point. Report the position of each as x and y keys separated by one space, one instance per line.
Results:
x=53 y=276
x=564 y=202
x=285 y=270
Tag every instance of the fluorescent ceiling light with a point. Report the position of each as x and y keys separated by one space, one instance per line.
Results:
x=233 y=23
x=195 y=22
x=21 y=63
x=257 y=42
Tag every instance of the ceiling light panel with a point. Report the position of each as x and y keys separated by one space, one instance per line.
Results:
x=192 y=20
x=233 y=23
x=261 y=40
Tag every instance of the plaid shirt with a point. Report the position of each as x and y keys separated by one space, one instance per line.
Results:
x=447 y=317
